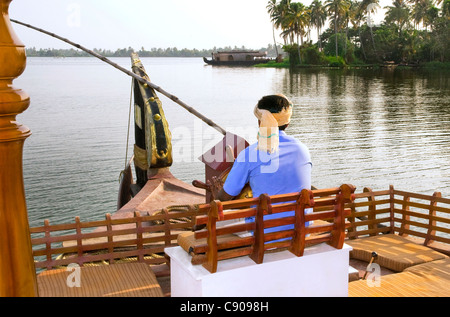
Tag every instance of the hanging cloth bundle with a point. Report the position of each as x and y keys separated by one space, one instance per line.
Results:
x=268 y=134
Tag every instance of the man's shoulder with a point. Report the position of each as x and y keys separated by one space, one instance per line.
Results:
x=291 y=140
x=253 y=157
x=296 y=147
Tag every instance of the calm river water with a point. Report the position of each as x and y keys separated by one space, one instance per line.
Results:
x=370 y=128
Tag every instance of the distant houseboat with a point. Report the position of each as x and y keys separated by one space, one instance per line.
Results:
x=238 y=58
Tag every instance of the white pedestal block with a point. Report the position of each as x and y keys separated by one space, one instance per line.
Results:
x=321 y=271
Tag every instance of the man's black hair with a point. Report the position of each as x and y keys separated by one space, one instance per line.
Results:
x=275 y=104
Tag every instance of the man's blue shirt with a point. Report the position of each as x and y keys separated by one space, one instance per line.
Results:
x=286 y=171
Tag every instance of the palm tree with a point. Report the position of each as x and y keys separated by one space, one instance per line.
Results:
x=431 y=15
x=336 y=9
x=356 y=17
x=298 y=19
x=353 y=7
x=272 y=10
x=418 y=12
x=278 y=16
x=318 y=16
x=441 y=30
x=398 y=14
x=421 y=12
x=367 y=7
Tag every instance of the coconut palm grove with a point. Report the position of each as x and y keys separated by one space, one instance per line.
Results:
x=413 y=32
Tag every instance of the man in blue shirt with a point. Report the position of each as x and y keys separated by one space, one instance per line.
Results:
x=276 y=164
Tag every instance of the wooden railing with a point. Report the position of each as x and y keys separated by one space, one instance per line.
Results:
x=328 y=205
x=140 y=238
x=143 y=238
x=424 y=218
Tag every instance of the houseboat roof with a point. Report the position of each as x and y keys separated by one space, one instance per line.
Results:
x=247 y=52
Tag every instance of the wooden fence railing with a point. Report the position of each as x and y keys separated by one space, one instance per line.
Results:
x=329 y=205
x=140 y=238
x=424 y=218
x=143 y=238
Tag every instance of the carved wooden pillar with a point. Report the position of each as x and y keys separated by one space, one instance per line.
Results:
x=17 y=271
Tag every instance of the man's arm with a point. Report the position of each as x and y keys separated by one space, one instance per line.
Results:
x=217 y=190
x=235 y=181
x=223 y=196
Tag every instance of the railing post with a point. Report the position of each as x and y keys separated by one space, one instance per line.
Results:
x=391 y=197
x=17 y=270
x=167 y=231
x=109 y=238
x=351 y=231
x=48 y=245
x=305 y=200
x=431 y=222
x=79 y=239
x=346 y=194
x=258 y=246
x=216 y=212
x=139 y=235
x=405 y=217
x=371 y=216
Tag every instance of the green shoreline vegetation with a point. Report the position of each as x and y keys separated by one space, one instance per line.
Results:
x=174 y=52
x=414 y=33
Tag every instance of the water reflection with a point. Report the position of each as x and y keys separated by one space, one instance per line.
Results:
x=374 y=127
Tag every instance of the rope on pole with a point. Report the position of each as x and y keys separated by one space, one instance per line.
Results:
x=129 y=73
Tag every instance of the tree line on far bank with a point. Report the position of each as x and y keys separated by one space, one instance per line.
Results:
x=153 y=52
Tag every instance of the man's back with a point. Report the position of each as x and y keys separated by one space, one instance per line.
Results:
x=285 y=171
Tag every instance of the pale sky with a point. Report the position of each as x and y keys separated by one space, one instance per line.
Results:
x=112 y=24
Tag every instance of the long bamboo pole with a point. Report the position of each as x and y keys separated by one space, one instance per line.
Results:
x=129 y=73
